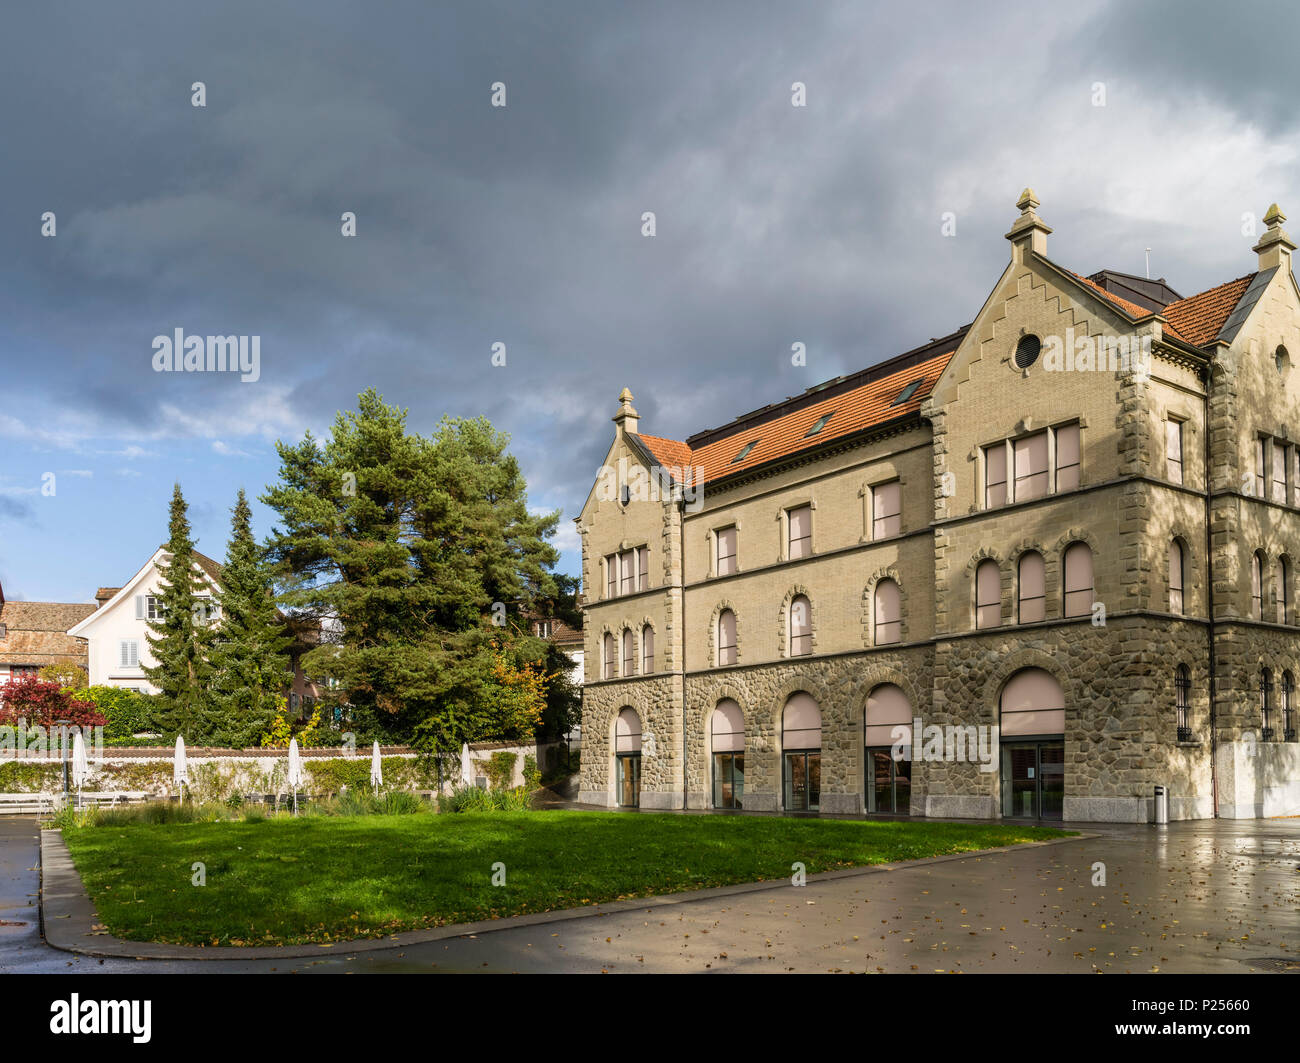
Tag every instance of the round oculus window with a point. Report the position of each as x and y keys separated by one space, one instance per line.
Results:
x=1027 y=351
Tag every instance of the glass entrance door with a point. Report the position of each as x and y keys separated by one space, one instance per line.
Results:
x=889 y=782
x=728 y=780
x=629 y=780
x=803 y=782
x=1033 y=780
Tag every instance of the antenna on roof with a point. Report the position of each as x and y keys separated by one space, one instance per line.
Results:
x=1148 y=263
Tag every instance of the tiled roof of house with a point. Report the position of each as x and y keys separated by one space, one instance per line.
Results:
x=1198 y=318
x=1132 y=309
x=845 y=411
x=36 y=632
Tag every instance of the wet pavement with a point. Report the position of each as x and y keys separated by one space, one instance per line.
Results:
x=1207 y=896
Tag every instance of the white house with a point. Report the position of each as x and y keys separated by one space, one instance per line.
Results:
x=115 y=633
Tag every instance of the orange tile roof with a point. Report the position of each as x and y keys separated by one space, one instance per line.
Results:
x=1198 y=318
x=866 y=406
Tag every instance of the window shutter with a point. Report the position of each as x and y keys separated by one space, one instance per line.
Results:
x=139 y=606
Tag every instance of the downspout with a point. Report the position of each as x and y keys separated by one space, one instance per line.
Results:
x=1209 y=587
x=681 y=546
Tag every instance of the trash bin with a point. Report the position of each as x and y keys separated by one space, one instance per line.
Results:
x=1161 y=805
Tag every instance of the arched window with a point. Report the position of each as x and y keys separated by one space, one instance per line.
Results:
x=1266 y=704
x=1176 y=578
x=726 y=638
x=627 y=754
x=1033 y=588
x=800 y=626
x=1281 y=577
x=1078 y=580
x=727 y=739
x=629 y=652
x=801 y=744
x=1031 y=745
x=1183 y=702
x=647 y=649
x=988 y=594
x=888 y=733
x=889 y=613
x=611 y=657
x=1257 y=586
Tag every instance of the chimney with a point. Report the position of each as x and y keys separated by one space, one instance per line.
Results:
x=1275 y=246
x=627 y=418
x=1029 y=233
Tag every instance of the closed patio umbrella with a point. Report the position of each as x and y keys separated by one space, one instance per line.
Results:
x=180 y=767
x=295 y=771
x=80 y=767
x=376 y=768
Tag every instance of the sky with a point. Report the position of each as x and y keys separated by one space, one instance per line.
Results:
x=860 y=224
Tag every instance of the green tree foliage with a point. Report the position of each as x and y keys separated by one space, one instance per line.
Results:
x=409 y=541
x=250 y=658
x=181 y=639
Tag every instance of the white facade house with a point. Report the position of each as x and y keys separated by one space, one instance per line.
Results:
x=116 y=633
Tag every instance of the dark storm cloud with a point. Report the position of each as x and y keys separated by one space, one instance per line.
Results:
x=522 y=225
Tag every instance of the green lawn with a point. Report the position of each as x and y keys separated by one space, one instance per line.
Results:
x=324 y=879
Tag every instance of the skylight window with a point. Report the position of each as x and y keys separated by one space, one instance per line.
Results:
x=744 y=452
x=819 y=424
x=908 y=392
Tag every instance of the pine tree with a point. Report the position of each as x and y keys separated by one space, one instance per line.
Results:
x=249 y=657
x=180 y=639
x=411 y=543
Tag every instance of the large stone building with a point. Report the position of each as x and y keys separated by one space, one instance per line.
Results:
x=1061 y=540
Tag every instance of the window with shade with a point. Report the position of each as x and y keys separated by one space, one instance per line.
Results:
x=629 y=652
x=627 y=569
x=1030 y=467
x=1078 y=580
x=1174 y=450
x=1260 y=468
x=727 y=738
x=627 y=572
x=726 y=548
x=988 y=595
x=889 y=613
x=1288 y=718
x=800 y=626
x=995 y=476
x=886 y=510
x=726 y=637
x=1278 y=465
x=800 y=541
x=801 y=743
x=610 y=655
x=1176 y=578
x=1067 y=457
x=1257 y=586
x=1032 y=588
x=1281 y=576
x=647 y=649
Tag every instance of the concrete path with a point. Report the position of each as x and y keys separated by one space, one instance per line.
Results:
x=1193 y=897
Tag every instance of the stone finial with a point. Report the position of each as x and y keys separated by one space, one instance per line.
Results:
x=1275 y=246
x=627 y=418
x=1028 y=233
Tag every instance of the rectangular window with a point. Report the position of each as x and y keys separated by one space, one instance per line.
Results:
x=153 y=609
x=1280 y=456
x=726 y=559
x=629 y=652
x=611 y=576
x=727 y=638
x=643 y=568
x=647 y=649
x=1033 y=589
x=1259 y=468
x=886 y=510
x=128 y=653
x=627 y=571
x=1031 y=467
x=1067 y=457
x=800 y=532
x=1174 y=451
x=995 y=475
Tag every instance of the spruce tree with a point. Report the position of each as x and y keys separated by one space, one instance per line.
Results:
x=179 y=640
x=250 y=657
